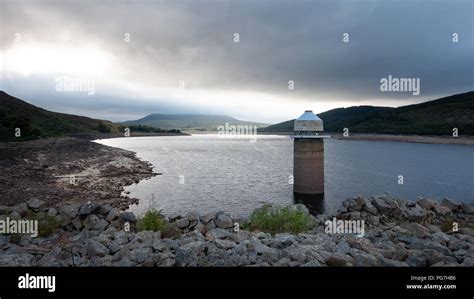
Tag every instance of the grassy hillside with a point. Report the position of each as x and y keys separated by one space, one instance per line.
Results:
x=436 y=117
x=334 y=120
x=198 y=122
x=286 y=126
x=36 y=122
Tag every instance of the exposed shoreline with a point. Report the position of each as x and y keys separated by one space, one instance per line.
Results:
x=461 y=140
x=469 y=140
x=68 y=170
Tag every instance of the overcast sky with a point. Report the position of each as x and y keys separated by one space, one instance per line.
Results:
x=192 y=45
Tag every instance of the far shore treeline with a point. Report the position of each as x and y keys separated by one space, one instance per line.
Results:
x=437 y=117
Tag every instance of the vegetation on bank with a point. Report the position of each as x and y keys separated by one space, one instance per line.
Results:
x=269 y=218
x=154 y=221
x=280 y=219
x=47 y=225
x=34 y=122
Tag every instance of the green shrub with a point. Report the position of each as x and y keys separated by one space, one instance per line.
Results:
x=47 y=225
x=153 y=220
x=280 y=219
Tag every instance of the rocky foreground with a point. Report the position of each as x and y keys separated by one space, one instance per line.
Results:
x=397 y=233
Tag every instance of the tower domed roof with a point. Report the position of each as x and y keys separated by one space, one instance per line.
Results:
x=309 y=115
x=308 y=123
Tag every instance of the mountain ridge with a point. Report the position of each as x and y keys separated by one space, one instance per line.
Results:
x=35 y=122
x=436 y=117
x=189 y=121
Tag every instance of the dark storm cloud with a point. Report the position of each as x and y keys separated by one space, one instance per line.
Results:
x=279 y=41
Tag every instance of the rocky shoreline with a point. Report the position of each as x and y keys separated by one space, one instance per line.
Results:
x=463 y=140
x=73 y=188
x=397 y=233
x=68 y=170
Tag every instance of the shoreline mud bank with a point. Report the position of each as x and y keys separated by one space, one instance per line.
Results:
x=461 y=140
x=68 y=170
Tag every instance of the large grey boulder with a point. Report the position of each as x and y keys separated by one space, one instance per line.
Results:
x=112 y=215
x=94 y=248
x=451 y=204
x=415 y=213
x=284 y=240
x=352 y=205
x=224 y=221
x=140 y=255
x=158 y=245
x=365 y=260
x=425 y=203
x=69 y=211
x=354 y=215
x=441 y=210
x=105 y=209
x=261 y=248
x=208 y=217
x=210 y=225
x=225 y=244
x=193 y=219
x=382 y=206
x=35 y=203
x=101 y=225
x=416 y=229
x=369 y=207
x=217 y=233
x=191 y=254
x=90 y=221
x=77 y=223
x=128 y=217
x=182 y=223
x=87 y=209
x=339 y=260
x=144 y=238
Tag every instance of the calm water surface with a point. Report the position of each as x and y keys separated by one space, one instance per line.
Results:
x=205 y=173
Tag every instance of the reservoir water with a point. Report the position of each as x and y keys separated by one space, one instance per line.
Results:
x=204 y=173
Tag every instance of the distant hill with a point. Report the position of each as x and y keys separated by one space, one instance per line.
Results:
x=36 y=122
x=199 y=122
x=436 y=117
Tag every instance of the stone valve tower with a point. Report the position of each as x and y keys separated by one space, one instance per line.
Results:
x=308 y=154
